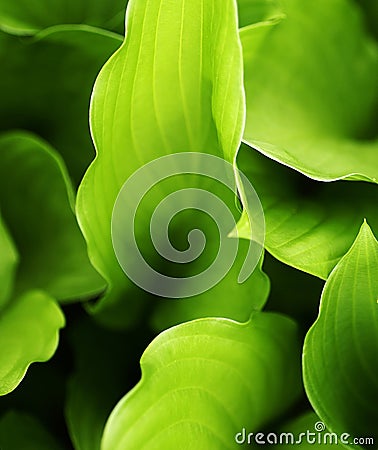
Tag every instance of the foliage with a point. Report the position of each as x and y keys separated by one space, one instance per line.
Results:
x=285 y=93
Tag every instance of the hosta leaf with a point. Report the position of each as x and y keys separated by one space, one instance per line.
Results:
x=22 y=431
x=28 y=17
x=144 y=108
x=303 y=216
x=311 y=106
x=29 y=329
x=341 y=349
x=8 y=262
x=46 y=83
x=36 y=200
x=203 y=381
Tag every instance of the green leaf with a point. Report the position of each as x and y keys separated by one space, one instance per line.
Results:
x=8 y=264
x=46 y=83
x=36 y=200
x=203 y=381
x=28 y=333
x=341 y=349
x=312 y=106
x=143 y=108
x=303 y=216
x=22 y=431
x=26 y=17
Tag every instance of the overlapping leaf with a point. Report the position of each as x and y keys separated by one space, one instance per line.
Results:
x=205 y=380
x=312 y=91
x=29 y=329
x=36 y=201
x=46 y=84
x=341 y=349
x=296 y=116
x=144 y=108
x=309 y=225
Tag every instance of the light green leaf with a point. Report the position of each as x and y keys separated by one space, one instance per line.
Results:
x=36 y=200
x=8 y=264
x=312 y=106
x=46 y=83
x=22 y=431
x=341 y=349
x=309 y=225
x=143 y=108
x=29 y=329
x=26 y=17
x=203 y=381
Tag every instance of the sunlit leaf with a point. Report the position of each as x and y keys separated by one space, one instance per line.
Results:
x=205 y=380
x=29 y=329
x=341 y=349
x=36 y=200
x=144 y=108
